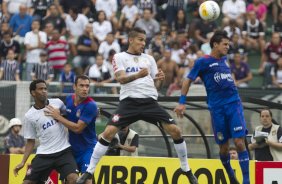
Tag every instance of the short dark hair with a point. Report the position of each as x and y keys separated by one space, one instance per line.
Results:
x=218 y=36
x=112 y=52
x=135 y=31
x=232 y=148
x=74 y=9
x=82 y=77
x=32 y=86
x=266 y=109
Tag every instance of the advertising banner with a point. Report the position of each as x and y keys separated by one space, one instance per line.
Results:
x=147 y=170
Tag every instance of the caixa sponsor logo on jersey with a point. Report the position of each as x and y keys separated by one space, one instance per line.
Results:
x=49 y=124
x=132 y=69
x=222 y=76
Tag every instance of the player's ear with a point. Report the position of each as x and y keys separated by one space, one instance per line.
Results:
x=32 y=93
x=130 y=40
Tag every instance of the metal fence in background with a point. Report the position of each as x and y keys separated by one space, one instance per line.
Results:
x=15 y=100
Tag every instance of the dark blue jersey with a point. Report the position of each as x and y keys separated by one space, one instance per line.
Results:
x=217 y=78
x=87 y=112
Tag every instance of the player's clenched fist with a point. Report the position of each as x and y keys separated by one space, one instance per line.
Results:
x=143 y=72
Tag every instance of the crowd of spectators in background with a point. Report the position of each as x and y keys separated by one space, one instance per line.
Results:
x=55 y=40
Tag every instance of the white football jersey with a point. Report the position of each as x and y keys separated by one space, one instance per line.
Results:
x=140 y=88
x=52 y=135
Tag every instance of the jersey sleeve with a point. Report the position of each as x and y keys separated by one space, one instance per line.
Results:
x=29 y=130
x=194 y=73
x=117 y=64
x=89 y=113
x=135 y=141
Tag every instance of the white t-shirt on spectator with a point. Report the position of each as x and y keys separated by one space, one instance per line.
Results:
x=130 y=12
x=76 y=27
x=105 y=48
x=234 y=9
x=14 y=5
x=175 y=55
x=96 y=71
x=230 y=32
x=108 y=6
x=278 y=75
x=101 y=30
x=31 y=39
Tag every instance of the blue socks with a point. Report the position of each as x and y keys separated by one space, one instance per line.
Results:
x=244 y=163
x=225 y=159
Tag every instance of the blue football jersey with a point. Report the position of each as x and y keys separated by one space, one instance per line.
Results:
x=87 y=112
x=217 y=78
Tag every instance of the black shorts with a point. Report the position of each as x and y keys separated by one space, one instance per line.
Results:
x=42 y=165
x=131 y=110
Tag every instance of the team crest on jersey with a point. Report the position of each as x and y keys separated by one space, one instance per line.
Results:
x=115 y=118
x=136 y=59
x=220 y=136
x=78 y=113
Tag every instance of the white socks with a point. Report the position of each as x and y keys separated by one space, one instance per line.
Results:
x=181 y=151
x=99 y=151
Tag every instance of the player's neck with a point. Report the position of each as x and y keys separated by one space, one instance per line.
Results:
x=78 y=99
x=40 y=105
x=130 y=51
x=215 y=55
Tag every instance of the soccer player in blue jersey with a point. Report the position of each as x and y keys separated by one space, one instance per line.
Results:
x=223 y=102
x=81 y=112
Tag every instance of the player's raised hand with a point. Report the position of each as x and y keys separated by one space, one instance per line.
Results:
x=143 y=72
x=18 y=168
x=179 y=110
x=160 y=75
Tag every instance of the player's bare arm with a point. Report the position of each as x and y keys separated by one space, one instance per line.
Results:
x=122 y=78
x=28 y=150
x=74 y=127
x=180 y=108
x=160 y=76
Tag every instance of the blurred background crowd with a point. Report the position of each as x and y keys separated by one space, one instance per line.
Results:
x=55 y=40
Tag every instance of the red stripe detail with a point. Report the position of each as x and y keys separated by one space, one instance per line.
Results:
x=57 y=50
x=88 y=99
x=57 y=58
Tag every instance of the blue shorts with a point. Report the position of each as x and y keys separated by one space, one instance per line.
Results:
x=228 y=122
x=83 y=159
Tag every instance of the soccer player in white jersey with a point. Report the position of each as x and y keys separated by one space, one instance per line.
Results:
x=139 y=78
x=54 y=150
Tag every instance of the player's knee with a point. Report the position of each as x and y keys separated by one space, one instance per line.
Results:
x=240 y=144
x=224 y=149
x=71 y=178
x=174 y=132
x=109 y=133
